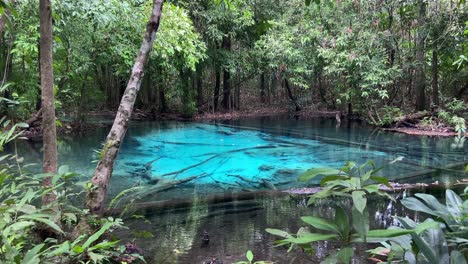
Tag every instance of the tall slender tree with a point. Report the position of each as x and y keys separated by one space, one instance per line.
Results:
x=103 y=172
x=420 y=77
x=49 y=163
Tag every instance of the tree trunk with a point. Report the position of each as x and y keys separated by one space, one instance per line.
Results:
x=290 y=95
x=216 y=90
x=2 y=27
x=262 y=88
x=103 y=172
x=226 y=78
x=435 y=78
x=420 y=78
x=199 y=77
x=49 y=134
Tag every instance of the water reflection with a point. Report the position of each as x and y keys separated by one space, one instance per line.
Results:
x=236 y=224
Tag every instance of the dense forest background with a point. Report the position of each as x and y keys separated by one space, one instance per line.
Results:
x=371 y=58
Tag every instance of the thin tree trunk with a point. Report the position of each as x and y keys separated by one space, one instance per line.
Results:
x=49 y=134
x=199 y=77
x=226 y=78
x=262 y=88
x=435 y=78
x=103 y=172
x=2 y=27
x=420 y=78
x=290 y=95
x=216 y=90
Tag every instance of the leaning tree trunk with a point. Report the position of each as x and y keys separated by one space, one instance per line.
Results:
x=103 y=172
x=49 y=134
x=291 y=96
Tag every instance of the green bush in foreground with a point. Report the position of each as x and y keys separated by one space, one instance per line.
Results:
x=35 y=233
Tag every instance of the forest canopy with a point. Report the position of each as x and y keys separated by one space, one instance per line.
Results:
x=371 y=58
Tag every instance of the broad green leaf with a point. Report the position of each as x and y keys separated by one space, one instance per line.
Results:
x=359 y=200
x=312 y=173
x=249 y=256
x=457 y=258
x=320 y=223
x=454 y=203
x=278 y=232
x=98 y=234
x=361 y=222
x=96 y=258
x=426 y=225
x=309 y=238
x=332 y=178
x=42 y=219
x=32 y=256
x=422 y=245
x=416 y=205
x=343 y=255
x=373 y=188
x=342 y=222
x=387 y=233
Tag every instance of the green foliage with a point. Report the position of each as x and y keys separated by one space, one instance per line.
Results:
x=350 y=181
x=414 y=243
x=23 y=220
x=250 y=256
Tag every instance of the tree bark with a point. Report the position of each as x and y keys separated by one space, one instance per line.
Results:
x=420 y=78
x=49 y=163
x=262 y=88
x=101 y=178
x=290 y=95
x=2 y=27
x=435 y=78
x=199 y=77
x=216 y=90
x=226 y=78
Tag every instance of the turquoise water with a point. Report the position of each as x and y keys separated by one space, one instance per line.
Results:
x=251 y=154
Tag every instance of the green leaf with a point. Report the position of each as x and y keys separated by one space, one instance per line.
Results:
x=361 y=222
x=278 y=232
x=312 y=173
x=307 y=2
x=96 y=258
x=309 y=238
x=387 y=233
x=359 y=200
x=342 y=222
x=98 y=234
x=381 y=180
x=457 y=258
x=343 y=255
x=373 y=188
x=32 y=256
x=427 y=251
x=321 y=223
x=332 y=178
x=249 y=256
x=426 y=225
x=40 y=218
x=454 y=203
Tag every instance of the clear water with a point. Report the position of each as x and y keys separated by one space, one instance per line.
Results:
x=242 y=155
x=237 y=224
x=251 y=154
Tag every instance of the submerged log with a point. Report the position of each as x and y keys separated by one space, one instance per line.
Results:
x=164 y=186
